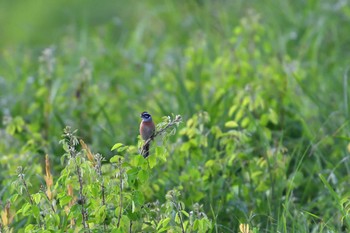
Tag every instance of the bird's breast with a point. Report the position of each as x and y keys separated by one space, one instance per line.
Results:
x=146 y=129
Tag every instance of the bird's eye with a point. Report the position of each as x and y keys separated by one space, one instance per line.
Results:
x=145 y=115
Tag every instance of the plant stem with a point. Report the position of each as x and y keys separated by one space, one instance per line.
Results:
x=98 y=158
x=72 y=141
x=21 y=176
x=48 y=199
x=82 y=198
x=178 y=208
x=130 y=227
x=121 y=192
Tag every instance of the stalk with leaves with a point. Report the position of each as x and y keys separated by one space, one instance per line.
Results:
x=71 y=142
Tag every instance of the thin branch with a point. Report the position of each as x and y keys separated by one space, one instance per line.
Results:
x=48 y=199
x=172 y=123
x=82 y=198
x=98 y=159
x=130 y=227
x=178 y=208
x=98 y=166
x=121 y=192
x=21 y=176
x=72 y=141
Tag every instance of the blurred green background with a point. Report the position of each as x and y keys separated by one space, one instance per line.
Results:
x=262 y=87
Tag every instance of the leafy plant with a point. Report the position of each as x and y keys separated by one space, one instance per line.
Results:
x=93 y=196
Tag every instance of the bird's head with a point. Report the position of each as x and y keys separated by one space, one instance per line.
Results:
x=145 y=116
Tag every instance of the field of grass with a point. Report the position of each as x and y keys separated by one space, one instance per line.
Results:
x=262 y=89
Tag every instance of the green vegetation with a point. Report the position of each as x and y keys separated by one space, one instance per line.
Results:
x=261 y=87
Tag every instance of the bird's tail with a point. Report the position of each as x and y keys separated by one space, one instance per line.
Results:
x=145 y=150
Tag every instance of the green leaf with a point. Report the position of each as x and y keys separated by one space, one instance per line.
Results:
x=132 y=207
x=245 y=122
x=160 y=151
x=36 y=197
x=245 y=101
x=14 y=198
x=95 y=189
x=29 y=228
x=101 y=214
x=239 y=115
x=115 y=230
x=200 y=226
x=232 y=110
x=195 y=224
x=152 y=161
x=177 y=218
x=132 y=173
x=330 y=189
x=116 y=146
x=159 y=224
x=264 y=119
x=115 y=159
x=143 y=176
x=273 y=117
x=190 y=123
x=116 y=211
x=139 y=198
x=185 y=213
x=210 y=163
x=163 y=229
x=78 y=160
x=11 y=129
x=166 y=221
x=25 y=209
x=36 y=211
x=74 y=211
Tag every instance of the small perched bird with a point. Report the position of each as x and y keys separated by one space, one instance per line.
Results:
x=147 y=130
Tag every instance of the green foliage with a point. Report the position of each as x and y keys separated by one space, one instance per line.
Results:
x=262 y=88
x=90 y=197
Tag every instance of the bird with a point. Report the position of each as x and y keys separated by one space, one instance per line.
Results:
x=147 y=130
